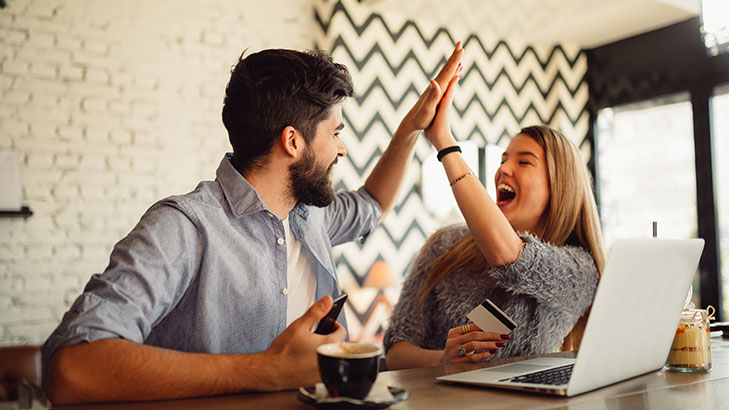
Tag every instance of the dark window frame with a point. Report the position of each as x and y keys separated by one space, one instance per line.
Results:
x=665 y=61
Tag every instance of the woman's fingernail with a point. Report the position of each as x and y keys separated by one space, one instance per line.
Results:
x=505 y=337
x=493 y=351
x=499 y=344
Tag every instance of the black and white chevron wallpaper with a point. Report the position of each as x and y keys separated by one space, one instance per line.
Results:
x=505 y=86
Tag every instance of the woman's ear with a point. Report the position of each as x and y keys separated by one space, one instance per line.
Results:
x=292 y=141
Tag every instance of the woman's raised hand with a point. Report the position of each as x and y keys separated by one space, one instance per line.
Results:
x=439 y=131
x=421 y=115
x=468 y=343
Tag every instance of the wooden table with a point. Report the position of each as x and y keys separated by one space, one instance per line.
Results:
x=657 y=390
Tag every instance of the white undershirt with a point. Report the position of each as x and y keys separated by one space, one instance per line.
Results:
x=300 y=279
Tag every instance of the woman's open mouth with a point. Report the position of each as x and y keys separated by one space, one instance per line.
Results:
x=504 y=194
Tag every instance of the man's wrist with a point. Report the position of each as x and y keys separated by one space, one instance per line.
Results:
x=256 y=372
x=407 y=131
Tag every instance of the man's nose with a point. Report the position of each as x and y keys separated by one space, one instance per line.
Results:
x=341 y=151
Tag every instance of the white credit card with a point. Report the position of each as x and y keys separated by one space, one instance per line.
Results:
x=491 y=319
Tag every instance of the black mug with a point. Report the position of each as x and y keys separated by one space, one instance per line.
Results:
x=349 y=369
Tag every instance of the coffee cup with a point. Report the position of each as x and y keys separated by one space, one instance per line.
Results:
x=348 y=369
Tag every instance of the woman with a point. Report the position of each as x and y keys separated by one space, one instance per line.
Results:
x=536 y=252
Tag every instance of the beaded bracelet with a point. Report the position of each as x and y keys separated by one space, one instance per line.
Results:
x=461 y=177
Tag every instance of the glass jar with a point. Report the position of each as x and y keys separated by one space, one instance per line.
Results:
x=691 y=347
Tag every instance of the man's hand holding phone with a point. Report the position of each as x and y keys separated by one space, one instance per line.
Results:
x=326 y=325
x=292 y=355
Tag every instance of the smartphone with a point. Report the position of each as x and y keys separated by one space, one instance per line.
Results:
x=326 y=325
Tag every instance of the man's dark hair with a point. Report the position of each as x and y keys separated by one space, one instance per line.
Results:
x=272 y=89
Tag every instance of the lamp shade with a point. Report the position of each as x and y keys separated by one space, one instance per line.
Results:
x=380 y=276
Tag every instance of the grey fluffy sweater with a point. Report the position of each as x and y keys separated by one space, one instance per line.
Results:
x=545 y=291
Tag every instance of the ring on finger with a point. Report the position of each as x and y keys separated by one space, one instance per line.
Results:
x=466 y=328
x=461 y=351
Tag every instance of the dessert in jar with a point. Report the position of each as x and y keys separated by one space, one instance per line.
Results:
x=691 y=347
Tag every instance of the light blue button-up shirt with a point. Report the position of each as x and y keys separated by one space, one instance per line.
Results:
x=205 y=271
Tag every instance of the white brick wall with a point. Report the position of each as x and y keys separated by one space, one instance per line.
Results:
x=113 y=105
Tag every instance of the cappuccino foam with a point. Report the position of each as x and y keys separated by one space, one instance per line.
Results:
x=349 y=350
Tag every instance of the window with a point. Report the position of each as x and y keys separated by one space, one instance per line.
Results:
x=437 y=194
x=646 y=169
x=643 y=68
x=720 y=117
x=715 y=26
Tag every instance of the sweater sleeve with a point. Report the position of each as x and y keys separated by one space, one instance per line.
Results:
x=562 y=277
x=411 y=320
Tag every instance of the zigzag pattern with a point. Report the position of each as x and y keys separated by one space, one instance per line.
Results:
x=326 y=17
x=504 y=87
x=517 y=17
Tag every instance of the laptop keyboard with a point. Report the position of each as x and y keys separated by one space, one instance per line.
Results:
x=555 y=376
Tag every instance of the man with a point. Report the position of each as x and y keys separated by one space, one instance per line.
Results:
x=202 y=297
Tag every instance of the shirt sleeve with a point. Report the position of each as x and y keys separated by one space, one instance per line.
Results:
x=352 y=215
x=148 y=272
x=562 y=277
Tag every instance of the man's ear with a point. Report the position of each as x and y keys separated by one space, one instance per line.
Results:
x=292 y=141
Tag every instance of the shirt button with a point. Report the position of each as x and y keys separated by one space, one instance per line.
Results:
x=285 y=291
x=280 y=241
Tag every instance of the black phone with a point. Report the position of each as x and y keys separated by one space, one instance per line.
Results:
x=326 y=325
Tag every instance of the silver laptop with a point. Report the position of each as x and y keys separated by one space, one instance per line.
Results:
x=630 y=329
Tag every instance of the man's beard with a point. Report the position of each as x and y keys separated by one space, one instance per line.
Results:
x=309 y=182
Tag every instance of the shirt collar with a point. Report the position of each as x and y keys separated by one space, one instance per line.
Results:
x=301 y=210
x=242 y=197
x=240 y=194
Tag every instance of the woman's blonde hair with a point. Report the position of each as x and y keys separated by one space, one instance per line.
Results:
x=572 y=217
